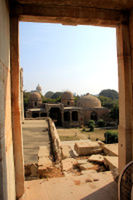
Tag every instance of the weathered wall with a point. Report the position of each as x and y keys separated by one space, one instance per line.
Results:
x=7 y=181
x=56 y=143
x=101 y=113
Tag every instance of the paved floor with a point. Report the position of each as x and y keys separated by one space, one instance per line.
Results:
x=35 y=134
x=72 y=188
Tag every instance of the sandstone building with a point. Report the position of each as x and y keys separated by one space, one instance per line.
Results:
x=66 y=113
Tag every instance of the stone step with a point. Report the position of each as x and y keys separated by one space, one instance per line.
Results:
x=110 y=149
x=111 y=162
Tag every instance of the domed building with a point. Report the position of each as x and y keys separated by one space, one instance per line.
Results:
x=91 y=108
x=39 y=89
x=66 y=114
x=67 y=99
x=89 y=101
x=35 y=100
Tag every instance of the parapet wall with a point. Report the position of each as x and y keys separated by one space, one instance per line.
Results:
x=56 y=143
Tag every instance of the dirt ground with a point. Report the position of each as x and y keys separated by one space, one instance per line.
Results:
x=69 y=134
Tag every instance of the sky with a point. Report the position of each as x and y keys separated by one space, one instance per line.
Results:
x=81 y=59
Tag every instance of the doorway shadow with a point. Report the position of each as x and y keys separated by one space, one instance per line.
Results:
x=109 y=192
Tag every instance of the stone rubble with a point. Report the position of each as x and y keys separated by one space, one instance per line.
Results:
x=68 y=164
x=111 y=162
x=96 y=158
x=66 y=151
x=86 y=166
x=87 y=148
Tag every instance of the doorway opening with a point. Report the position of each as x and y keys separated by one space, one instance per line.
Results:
x=78 y=106
x=55 y=115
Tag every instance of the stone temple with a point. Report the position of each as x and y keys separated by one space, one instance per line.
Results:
x=67 y=113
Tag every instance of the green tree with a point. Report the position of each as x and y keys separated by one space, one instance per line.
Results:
x=113 y=94
x=114 y=113
x=49 y=94
x=56 y=95
x=91 y=125
x=101 y=123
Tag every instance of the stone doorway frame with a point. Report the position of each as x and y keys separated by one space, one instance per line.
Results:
x=70 y=15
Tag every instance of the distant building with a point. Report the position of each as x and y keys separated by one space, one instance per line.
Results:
x=66 y=114
x=39 y=89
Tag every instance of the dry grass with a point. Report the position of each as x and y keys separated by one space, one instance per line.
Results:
x=71 y=134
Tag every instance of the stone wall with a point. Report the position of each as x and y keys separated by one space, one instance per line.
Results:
x=101 y=113
x=56 y=143
x=7 y=179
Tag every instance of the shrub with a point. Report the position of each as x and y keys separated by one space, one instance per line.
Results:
x=83 y=129
x=91 y=125
x=111 y=137
x=101 y=123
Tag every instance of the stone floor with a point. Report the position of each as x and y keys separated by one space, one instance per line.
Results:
x=72 y=188
x=35 y=134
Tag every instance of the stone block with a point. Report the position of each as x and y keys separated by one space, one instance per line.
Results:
x=66 y=151
x=111 y=149
x=111 y=162
x=42 y=170
x=34 y=170
x=96 y=158
x=27 y=169
x=68 y=164
x=86 y=166
x=45 y=162
x=83 y=161
x=87 y=148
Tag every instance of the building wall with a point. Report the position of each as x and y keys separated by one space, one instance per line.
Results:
x=7 y=179
x=101 y=113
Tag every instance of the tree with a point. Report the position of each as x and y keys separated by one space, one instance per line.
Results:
x=56 y=95
x=49 y=94
x=113 y=94
x=101 y=123
x=108 y=102
x=91 y=125
x=114 y=113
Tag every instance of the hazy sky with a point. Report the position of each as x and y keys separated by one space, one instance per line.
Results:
x=81 y=59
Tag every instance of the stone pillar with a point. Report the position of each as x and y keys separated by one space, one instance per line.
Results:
x=16 y=115
x=125 y=95
x=7 y=175
x=21 y=95
x=131 y=46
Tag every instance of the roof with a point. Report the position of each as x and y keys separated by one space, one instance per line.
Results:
x=67 y=95
x=35 y=96
x=89 y=101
